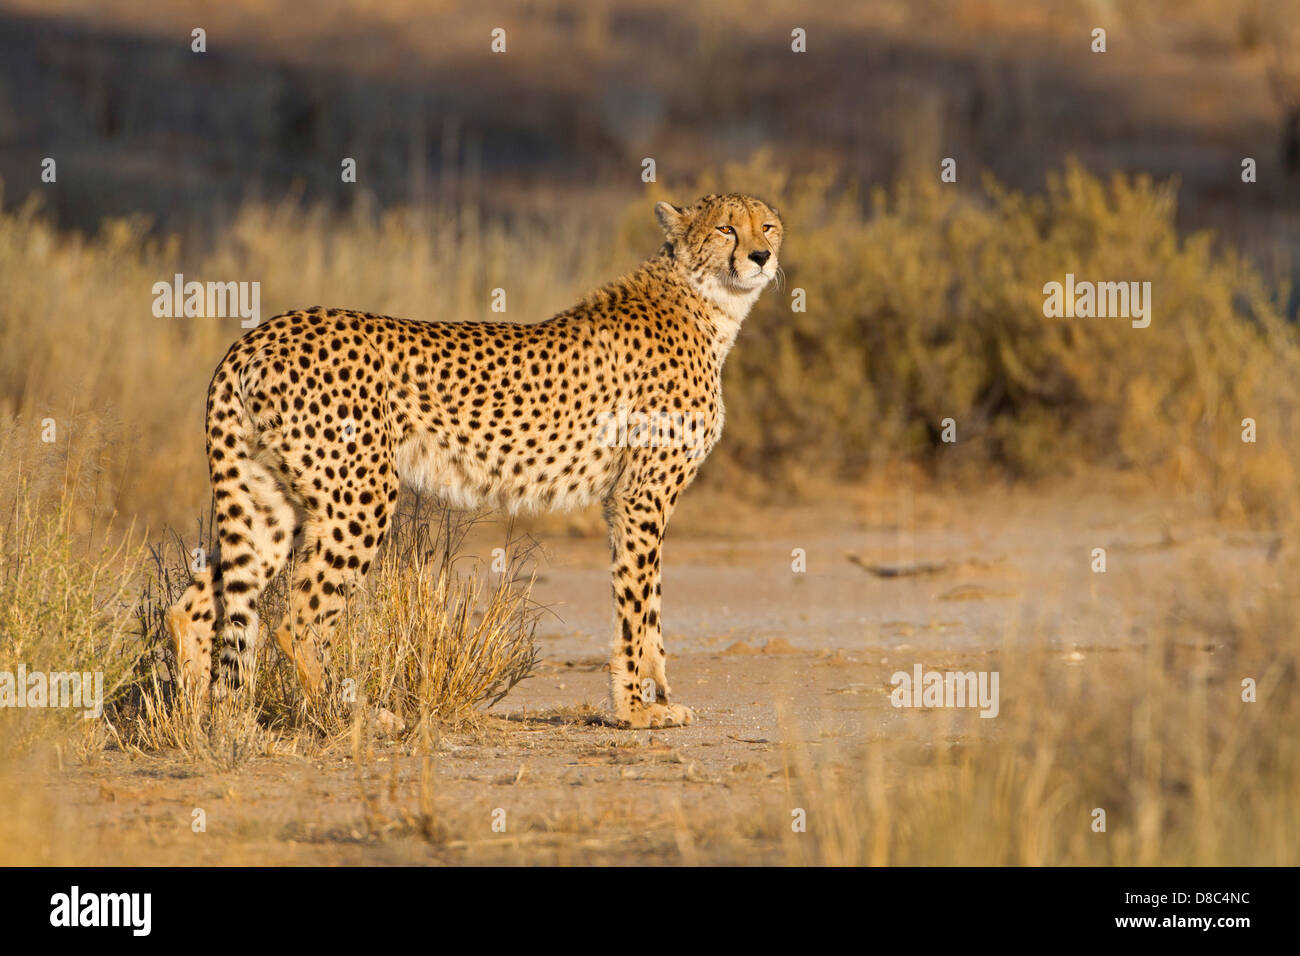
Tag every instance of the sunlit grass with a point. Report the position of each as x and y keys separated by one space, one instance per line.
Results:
x=923 y=304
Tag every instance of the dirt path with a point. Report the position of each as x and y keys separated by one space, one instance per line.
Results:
x=788 y=671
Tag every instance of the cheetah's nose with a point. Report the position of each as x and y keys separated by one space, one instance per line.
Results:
x=760 y=256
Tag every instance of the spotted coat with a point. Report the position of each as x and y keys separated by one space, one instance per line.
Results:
x=315 y=417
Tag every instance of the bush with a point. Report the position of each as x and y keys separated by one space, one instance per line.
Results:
x=927 y=304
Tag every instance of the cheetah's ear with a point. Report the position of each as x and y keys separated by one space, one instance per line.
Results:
x=670 y=217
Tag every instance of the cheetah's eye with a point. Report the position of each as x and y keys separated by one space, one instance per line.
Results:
x=726 y=230
x=769 y=226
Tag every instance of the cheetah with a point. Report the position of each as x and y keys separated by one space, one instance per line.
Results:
x=315 y=417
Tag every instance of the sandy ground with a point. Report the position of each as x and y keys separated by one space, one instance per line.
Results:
x=774 y=661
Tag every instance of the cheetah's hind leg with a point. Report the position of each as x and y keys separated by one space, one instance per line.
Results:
x=190 y=622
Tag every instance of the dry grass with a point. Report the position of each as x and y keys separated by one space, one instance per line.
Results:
x=1159 y=738
x=1155 y=733
x=427 y=640
x=79 y=344
x=65 y=607
x=923 y=304
x=930 y=307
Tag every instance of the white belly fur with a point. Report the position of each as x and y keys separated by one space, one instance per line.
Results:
x=463 y=482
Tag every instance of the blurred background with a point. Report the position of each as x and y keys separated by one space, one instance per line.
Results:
x=522 y=170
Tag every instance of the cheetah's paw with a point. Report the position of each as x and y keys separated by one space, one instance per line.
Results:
x=660 y=715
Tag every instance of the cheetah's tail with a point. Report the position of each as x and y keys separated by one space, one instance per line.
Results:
x=239 y=487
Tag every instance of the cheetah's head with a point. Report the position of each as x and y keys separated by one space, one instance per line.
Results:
x=728 y=245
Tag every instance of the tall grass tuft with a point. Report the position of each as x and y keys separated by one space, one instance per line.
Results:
x=428 y=637
x=65 y=609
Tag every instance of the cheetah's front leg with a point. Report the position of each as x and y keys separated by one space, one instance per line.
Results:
x=638 y=680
